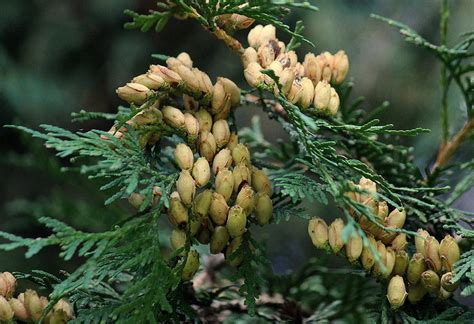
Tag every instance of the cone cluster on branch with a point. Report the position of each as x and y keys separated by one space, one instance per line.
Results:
x=29 y=306
x=428 y=271
x=306 y=84
x=218 y=191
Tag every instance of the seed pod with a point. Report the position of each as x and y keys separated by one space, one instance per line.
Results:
x=354 y=247
x=3 y=286
x=166 y=74
x=389 y=263
x=266 y=54
x=245 y=199
x=6 y=312
x=189 y=103
x=335 y=235
x=443 y=294
x=195 y=225
x=233 y=141
x=218 y=209
x=219 y=239
x=249 y=56
x=263 y=208
x=397 y=218
x=201 y=172
x=204 y=236
x=260 y=182
x=191 y=266
x=224 y=113
x=222 y=160
x=449 y=252
x=396 y=292
x=202 y=203
x=254 y=36
x=134 y=93
x=207 y=145
x=204 y=119
x=416 y=267
x=186 y=187
x=378 y=269
x=326 y=62
x=236 y=221
x=416 y=293
x=10 y=284
x=296 y=92
x=205 y=83
x=288 y=59
x=219 y=98
x=432 y=257
x=241 y=154
x=401 y=263
x=177 y=239
x=62 y=312
x=307 y=93
x=400 y=242
x=334 y=101
x=367 y=257
x=189 y=77
x=287 y=77
x=149 y=80
x=221 y=133
x=382 y=210
x=33 y=305
x=252 y=74
x=340 y=67
x=312 y=70
x=225 y=183
x=174 y=117
x=242 y=176
x=234 y=260
x=267 y=34
x=232 y=89
x=192 y=126
x=430 y=280
x=19 y=309
x=447 y=282
x=276 y=67
x=185 y=59
x=420 y=240
x=178 y=214
x=322 y=95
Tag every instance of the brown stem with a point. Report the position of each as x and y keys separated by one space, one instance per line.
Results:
x=230 y=41
x=447 y=150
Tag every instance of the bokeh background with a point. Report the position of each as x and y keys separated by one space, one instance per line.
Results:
x=61 y=56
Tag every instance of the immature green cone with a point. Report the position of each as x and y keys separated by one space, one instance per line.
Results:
x=401 y=263
x=174 y=117
x=202 y=202
x=234 y=260
x=218 y=209
x=318 y=232
x=195 y=225
x=186 y=187
x=396 y=292
x=149 y=80
x=225 y=183
x=242 y=176
x=389 y=263
x=134 y=93
x=201 y=172
x=367 y=257
x=33 y=305
x=19 y=309
x=335 y=235
x=207 y=145
x=192 y=126
x=204 y=119
x=221 y=133
x=354 y=247
x=236 y=221
x=178 y=213
x=222 y=160
x=177 y=239
x=449 y=252
x=204 y=236
x=447 y=284
x=191 y=266
x=400 y=242
x=246 y=199
x=260 y=182
x=241 y=154
x=430 y=280
x=416 y=293
x=379 y=267
x=416 y=267
x=183 y=155
x=420 y=240
x=263 y=208
x=219 y=239
x=6 y=312
x=432 y=257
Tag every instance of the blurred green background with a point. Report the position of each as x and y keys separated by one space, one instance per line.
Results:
x=61 y=56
